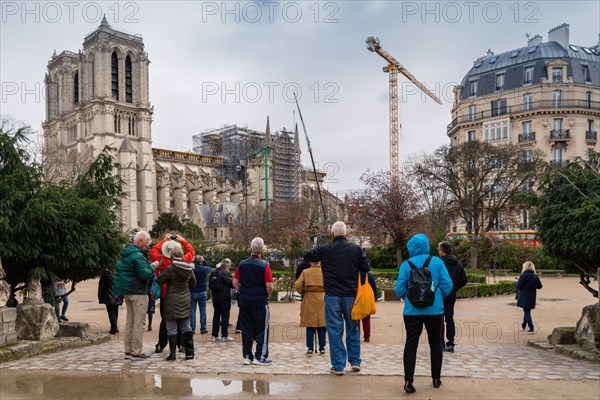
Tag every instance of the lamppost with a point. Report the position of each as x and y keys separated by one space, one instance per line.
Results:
x=244 y=166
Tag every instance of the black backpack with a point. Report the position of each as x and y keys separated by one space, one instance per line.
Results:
x=215 y=283
x=420 y=286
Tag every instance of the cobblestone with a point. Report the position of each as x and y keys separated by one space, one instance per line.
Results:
x=480 y=362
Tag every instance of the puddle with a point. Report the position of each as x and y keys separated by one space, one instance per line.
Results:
x=217 y=387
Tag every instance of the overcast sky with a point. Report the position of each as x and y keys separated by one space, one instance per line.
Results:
x=217 y=63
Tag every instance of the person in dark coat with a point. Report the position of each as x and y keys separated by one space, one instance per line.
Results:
x=366 y=322
x=109 y=299
x=180 y=279
x=221 y=297
x=456 y=270
x=527 y=285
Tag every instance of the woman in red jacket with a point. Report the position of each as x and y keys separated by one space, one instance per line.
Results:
x=161 y=252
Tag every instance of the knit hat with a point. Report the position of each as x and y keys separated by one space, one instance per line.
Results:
x=168 y=246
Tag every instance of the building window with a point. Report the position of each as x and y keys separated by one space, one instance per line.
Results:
x=528 y=77
x=114 y=75
x=556 y=74
x=215 y=233
x=117 y=123
x=128 y=84
x=557 y=124
x=525 y=219
x=527 y=128
x=556 y=98
x=472 y=112
x=71 y=134
x=76 y=89
x=586 y=74
x=216 y=218
x=588 y=99
x=527 y=155
x=499 y=82
x=471 y=136
x=527 y=185
x=473 y=89
x=557 y=155
x=495 y=131
x=527 y=102
x=499 y=107
x=131 y=126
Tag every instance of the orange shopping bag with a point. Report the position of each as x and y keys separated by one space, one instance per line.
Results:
x=364 y=303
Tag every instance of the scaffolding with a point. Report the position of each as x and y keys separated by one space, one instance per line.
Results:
x=235 y=144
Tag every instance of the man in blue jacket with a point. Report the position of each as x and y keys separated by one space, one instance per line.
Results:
x=341 y=262
x=199 y=294
x=415 y=317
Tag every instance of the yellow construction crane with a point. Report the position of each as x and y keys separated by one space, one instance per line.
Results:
x=393 y=68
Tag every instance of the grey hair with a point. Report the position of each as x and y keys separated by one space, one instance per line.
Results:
x=141 y=235
x=446 y=247
x=226 y=262
x=338 y=228
x=528 y=266
x=257 y=245
x=177 y=252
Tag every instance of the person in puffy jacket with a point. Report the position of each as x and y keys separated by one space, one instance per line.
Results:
x=527 y=285
x=109 y=299
x=132 y=279
x=456 y=270
x=180 y=279
x=415 y=317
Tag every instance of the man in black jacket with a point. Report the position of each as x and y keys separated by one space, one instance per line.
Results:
x=220 y=283
x=341 y=262
x=456 y=270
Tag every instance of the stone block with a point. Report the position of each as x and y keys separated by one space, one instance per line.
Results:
x=563 y=335
x=36 y=321
x=587 y=333
x=8 y=314
x=79 y=329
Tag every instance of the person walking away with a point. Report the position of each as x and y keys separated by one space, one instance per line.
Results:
x=341 y=262
x=422 y=277
x=312 y=308
x=132 y=278
x=366 y=322
x=60 y=296
x=161 y=252
x=220 y=283
x=199 y=294
x=254 y=283
x=527 y=285
x=456 y=270
x=180 y=279
x=107 y=297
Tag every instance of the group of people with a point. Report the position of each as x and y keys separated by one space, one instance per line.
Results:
x=327 y=281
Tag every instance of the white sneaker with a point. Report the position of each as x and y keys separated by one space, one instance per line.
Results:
x=226 y=339
x=264 y=361
x=247 y=361
x=214 y=339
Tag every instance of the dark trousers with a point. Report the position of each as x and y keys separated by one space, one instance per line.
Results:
x=449 y=319
x=321 y=335
x=222 y=308
x=366 y=323
x=113 y=316
x=527 y=320
x=414 y=326
x=162 y=329
x=254 y=321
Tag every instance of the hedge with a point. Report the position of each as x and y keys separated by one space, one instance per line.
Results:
x=475 y=278
x=484 y=290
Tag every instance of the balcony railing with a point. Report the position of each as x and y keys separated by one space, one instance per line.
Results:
x=559 y=162
x=527 y=137
x=559 y=134
x=519 y=109
x=591 y=136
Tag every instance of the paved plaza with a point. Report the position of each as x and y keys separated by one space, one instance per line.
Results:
x=480 y=362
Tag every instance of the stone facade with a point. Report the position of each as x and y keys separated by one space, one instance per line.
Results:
x=99 y=96
x=545 y=96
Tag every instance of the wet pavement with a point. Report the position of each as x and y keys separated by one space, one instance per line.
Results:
x=480 y=362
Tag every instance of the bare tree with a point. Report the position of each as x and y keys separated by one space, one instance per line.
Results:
x=485 y=181
x=387 y=209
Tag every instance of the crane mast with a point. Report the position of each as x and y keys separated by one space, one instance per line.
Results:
x=393 y=68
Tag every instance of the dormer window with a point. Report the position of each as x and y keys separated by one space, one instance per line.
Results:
x=230 y=218
x=216 y=218
x=586 y=73
x=528 y=76
x=499 y=82
x=473 y=88
x=556 y=74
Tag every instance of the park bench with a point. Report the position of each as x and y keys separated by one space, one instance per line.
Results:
x=558 y=272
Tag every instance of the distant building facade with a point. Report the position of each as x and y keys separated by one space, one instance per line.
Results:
x=545 y=96
x=99 y=97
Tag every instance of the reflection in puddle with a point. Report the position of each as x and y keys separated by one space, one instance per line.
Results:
x=216 y=387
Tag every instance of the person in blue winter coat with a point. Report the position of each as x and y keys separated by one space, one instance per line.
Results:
x=527 y=285
x=431 y=317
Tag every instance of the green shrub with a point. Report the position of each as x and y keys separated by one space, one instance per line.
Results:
x=274 y=294
x=485 y=290
x=475 y=278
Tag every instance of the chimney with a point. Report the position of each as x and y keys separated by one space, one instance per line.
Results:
x=560 y=35
x=534 y=41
